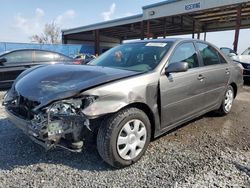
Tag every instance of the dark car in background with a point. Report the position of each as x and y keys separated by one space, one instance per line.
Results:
x=14 y=62
x=228 y=51
x=129 y=95
x=82 y=59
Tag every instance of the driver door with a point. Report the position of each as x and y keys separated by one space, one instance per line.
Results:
x=182 y=93
x=16 y=63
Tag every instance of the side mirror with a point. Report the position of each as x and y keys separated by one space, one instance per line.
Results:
x=2 y=61
x=232 y=54
x=177 y=67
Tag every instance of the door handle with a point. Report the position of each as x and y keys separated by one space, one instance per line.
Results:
x=201 y=77
x=227 y=71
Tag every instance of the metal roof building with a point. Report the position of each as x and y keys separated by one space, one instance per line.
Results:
x=167 y=18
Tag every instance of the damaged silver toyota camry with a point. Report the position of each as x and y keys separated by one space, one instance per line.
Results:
x=130 y=94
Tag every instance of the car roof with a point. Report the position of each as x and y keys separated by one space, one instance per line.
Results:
x=32 y=49
x=164 y=40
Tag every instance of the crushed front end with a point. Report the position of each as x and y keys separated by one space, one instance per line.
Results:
x=61 y=123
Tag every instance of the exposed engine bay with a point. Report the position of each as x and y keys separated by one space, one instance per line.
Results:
x=59 y=124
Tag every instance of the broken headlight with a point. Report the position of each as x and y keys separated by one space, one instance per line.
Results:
x=64 y=115
x=62 y=108
x=70 y=106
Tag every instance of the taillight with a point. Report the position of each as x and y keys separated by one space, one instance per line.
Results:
x=77 y=62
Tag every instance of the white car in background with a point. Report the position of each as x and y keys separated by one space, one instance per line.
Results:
x=244 y=60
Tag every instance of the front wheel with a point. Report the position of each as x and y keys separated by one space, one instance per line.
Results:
x=227 y=102
x=123 y=138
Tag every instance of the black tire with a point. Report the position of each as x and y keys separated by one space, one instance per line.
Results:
x=222 y=110
x=108 y=135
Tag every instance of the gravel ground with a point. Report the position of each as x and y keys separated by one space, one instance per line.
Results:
x=208 y=152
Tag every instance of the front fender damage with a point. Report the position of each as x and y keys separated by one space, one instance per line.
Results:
x=110 y=103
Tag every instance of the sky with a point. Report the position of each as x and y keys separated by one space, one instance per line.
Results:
x=20 y=19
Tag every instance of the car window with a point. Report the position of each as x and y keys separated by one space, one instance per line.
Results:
x=185 y=53
x=226 y=50
x=59 y=57
x=246 y=52
x=41 y=56
x=18 y=57
x=209 y=54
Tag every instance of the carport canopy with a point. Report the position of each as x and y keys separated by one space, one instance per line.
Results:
x=167 y=18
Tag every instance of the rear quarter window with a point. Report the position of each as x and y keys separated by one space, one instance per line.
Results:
x=40 y=56
x=59 y=57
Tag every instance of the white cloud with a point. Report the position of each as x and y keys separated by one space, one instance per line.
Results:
x=39 y=12
x=31 y=25
x=66 y=16
x=107 y=15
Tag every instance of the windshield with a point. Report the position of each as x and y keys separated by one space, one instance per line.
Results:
x=246 y=52
x=140 y=57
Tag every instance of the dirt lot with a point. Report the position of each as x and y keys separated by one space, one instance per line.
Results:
x=208 y=152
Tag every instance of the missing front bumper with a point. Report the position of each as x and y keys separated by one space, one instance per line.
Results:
x=47 y=140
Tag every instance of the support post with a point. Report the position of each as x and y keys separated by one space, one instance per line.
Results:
x=193 y=30
x=165 y=28
x=155 y=37
x=121 y=40
x=205 y=36
x=198 y=35
x=97 y=42
x=64 y=39
x=148 y=29
x=237 y=28
x=142 y=30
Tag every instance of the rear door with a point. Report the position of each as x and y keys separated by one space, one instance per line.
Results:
x=216 y=73
x=43 y=57
x=182 y=93
x=17 y=62
x=62 y=58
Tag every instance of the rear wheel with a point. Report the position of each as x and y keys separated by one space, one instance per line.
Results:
x=227 y=102
x=123 y=138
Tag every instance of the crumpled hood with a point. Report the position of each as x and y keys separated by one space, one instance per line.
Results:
x=54 y=82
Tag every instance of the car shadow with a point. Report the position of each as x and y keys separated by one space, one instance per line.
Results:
x=207 y=115
x=247 y=83
x=4 y=89
x=242 y=168
x=16 y=149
